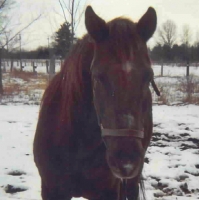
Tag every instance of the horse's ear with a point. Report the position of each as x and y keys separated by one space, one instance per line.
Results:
x=95 y=26
x=147 y=24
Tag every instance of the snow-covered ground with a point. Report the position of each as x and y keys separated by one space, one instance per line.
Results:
x=171 y=168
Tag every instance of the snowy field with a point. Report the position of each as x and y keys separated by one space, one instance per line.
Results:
x=171 y=170
x=171 y=166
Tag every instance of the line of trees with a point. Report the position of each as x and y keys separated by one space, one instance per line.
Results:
x=170 y=46
x=173 y=47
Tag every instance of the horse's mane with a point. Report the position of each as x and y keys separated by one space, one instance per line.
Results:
x=66 y=91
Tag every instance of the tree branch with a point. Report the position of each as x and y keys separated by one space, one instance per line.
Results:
x=3 y=4
x=62 y=10
x=21 y=30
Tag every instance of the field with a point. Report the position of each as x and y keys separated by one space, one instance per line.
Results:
x=171 y=168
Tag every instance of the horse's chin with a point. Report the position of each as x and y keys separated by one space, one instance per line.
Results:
x=126 y=174
x=126 y=171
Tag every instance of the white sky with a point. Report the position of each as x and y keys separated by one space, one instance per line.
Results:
x=180 y=11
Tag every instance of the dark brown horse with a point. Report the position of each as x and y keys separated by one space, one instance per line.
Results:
x=95 y=122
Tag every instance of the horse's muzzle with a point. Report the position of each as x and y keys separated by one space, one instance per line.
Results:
x=124 y=168
x=124 y=155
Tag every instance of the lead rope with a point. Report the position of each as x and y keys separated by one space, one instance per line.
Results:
x=155 y=87
x=124 y=189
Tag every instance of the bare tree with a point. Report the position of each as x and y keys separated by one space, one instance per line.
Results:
x=186 y=35
x=8 y=43
x=196 y=43
x=166 y=34
x=186 y=42
x=73 y=9
x=4 y=36
x=21 y=30
x=4 y=6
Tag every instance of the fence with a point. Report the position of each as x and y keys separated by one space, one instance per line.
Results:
x=36 y=65
x=44 y=66
x=175 y=69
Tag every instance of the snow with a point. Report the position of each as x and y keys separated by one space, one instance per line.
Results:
x=169 y=167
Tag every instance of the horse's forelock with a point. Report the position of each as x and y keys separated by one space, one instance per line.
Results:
x=123 y=37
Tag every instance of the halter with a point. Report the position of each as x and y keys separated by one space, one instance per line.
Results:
x=122 y=132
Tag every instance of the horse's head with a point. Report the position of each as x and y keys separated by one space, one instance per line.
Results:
x=121 y=73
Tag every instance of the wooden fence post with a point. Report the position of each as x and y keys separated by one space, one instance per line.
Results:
x=161 y=68
x=34 y=67
x=11 y=65
x=47 y=66
x=187 y=74
x=52 y=66
x=4 y=66
x=21 y=65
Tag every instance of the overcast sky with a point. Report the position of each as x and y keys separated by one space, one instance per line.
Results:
x=180 y=11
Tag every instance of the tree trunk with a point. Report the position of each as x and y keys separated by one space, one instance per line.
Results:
x=1 y=83
x=187 y=74
x=72 y=20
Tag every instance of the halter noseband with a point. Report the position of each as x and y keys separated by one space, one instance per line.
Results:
x=122 y=132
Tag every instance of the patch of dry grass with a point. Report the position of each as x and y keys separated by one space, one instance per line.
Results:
x=184 y=90
x=11 y=89
x=167 y=93
x=190 y=87
x=20 y=83
x=24 y=75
